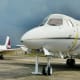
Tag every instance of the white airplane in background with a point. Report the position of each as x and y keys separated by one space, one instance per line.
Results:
x=7 y=44
x=57 y=33
x=6 y=47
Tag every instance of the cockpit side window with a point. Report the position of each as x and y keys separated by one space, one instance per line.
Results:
x=55 y=22
x=71 y=23
x=44 y=21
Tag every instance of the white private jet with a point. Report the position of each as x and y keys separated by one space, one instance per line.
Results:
x=57 y=33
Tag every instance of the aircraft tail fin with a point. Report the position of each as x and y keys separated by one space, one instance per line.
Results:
x=8 y=43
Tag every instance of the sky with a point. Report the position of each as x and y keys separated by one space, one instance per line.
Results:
x=19 y=16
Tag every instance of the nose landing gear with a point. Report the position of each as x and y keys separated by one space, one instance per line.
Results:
x=47 y=70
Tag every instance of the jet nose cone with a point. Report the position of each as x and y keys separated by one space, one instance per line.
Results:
x=21 y=41
x=23 y=38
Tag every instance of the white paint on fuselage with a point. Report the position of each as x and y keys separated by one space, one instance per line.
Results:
x=55 y=38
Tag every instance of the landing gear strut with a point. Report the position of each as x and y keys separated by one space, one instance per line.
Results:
x=47 y=70
x=36 y=71
x=70 y=62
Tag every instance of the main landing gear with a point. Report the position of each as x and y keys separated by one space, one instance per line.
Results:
x=1 y=57
x=70 y=62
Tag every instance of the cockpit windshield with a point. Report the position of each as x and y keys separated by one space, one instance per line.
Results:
x=44 y=21
x=55 y=21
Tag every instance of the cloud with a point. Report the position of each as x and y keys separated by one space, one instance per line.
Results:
x=3 y=4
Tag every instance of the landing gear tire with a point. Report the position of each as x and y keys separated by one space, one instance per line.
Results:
x=44 y=70
x=47 y=70
x=70 y=62
x=1 y=57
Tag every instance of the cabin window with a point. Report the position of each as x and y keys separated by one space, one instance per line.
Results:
x=55 y=22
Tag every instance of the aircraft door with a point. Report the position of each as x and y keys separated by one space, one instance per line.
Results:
x=74 y=38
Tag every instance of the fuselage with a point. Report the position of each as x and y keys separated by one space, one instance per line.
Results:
x=58 y=33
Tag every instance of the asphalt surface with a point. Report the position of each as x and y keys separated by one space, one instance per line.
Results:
x=20 y=68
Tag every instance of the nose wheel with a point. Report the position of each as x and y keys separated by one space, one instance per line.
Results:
x=47 y=70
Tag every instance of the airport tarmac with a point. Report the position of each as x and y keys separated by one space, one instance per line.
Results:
x=20 y=68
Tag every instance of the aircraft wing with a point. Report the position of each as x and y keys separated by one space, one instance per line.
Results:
x=8 y=51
